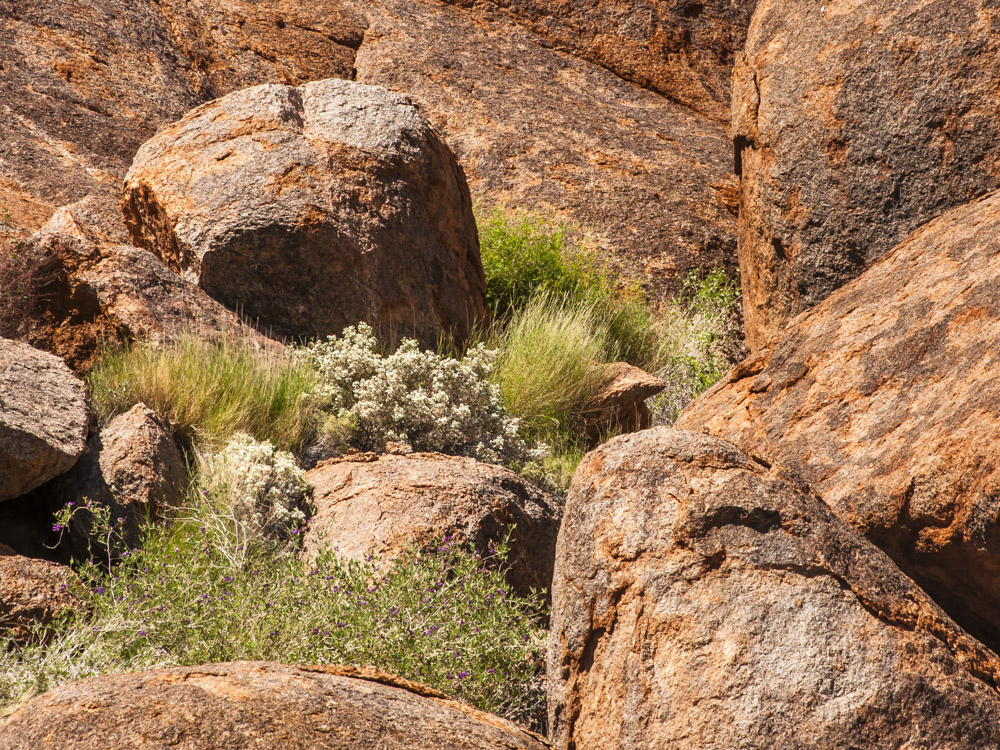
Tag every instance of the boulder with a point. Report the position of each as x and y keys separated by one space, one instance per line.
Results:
x=855 y=123
x=681 y=49
x=245 y=705
x=99 y=290
x=648 y=180
x=133 y=468
x=32 y=593
x=83 y=85
x=43 y=418
x=884 y=398
x=703 y=600
x=620 y=403
x=359 y=212
x=382 y=505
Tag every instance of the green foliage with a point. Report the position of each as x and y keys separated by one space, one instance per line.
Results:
x=444 y=618
x=210 y=390
x=699 y=340
x=525 y=255
x=546 y=365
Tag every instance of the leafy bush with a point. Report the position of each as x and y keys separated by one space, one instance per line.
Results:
x=699 y=340
x=431 y=401
x=525 y=254
x=256 y=492
x=210 y=390
x=443 y=618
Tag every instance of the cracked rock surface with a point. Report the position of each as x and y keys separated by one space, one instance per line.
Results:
x=884 y=398
x=702 y=600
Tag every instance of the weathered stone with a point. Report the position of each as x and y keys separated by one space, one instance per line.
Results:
x=258 y=705
x=649 y=180
x=32 y=593
x=383 y=505
x=83 y=85
x=681 y=49
x=99 y=292
x=43 y=418
x=884 y=398
x=855 y=123
x=702 y=600
x=620 y=403
x=359 y=211
x=133 y=468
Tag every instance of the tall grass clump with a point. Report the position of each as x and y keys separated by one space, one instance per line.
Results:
x=444 y=618
x=210 y=390
x=525 y=255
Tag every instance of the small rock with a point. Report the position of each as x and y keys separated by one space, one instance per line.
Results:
x=32 y=593
x=620 y=403
x=381 y=507
x=43 y=418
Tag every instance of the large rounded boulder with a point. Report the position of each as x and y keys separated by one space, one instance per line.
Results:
x=703 y=601
x=310 y=209
x=259 y=706
x=884 y=398
x=855 y=123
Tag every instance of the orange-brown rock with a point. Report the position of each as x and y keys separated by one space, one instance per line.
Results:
x=32 y=593
x=884 y=398
x=650 y=180
x=620 y=403
x=43 y=418
x=133 y=468
x=682 y=49
x=258 y=705
x=383 y=505
x=83 y=85
x=855 y=123
x=98 y=291
x=704 y=601
x=357 y=212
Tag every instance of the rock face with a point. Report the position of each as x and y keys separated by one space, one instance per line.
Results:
x=101 y=291
x=620 y=403
x=855 y=123
x=43 y=418
x=358 y=212
x=246 y=705
x=32 y=592
x=105 y=75
x=650 y=180
x=883 y=398
x=704 y=601
x=681 y=49
x=383 y=505
x=132 y=467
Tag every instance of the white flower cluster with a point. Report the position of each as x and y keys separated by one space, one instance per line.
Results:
x=263 y=488
x=432 y=402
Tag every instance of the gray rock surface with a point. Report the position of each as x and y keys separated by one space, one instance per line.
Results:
x=43 y=418
x=383 y=505
x=855 y=123
x=259 y=706
x=702 y=600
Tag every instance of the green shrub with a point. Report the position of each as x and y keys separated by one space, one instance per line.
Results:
x=210 y=390
x=442 y=618
x=700 y=339
x=431 y=401
x=525 y=254
x=546 y=365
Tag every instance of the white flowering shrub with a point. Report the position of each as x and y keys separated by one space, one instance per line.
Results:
x=262 y=491
x=432 y=402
